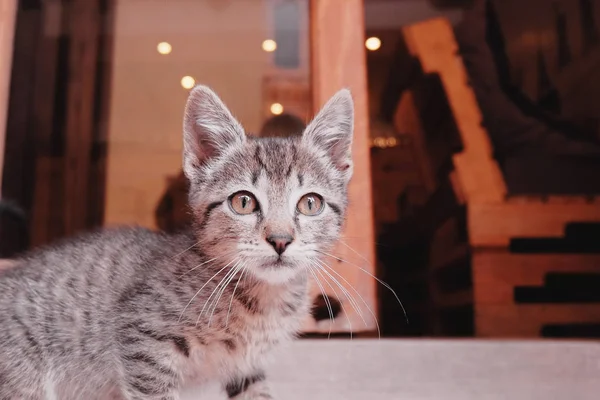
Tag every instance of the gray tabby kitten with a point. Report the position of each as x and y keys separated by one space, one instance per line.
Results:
x=139 y=315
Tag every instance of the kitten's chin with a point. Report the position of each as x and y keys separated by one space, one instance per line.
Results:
x=276 y=274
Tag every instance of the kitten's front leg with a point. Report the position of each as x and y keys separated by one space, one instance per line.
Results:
x=149 y=363
x=148 y=376
x=253 y=387
x=146 y=387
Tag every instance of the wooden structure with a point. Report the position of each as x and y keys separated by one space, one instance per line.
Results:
x=478 y=260
x=8 y=13
x=54 y=155
x=338 y=60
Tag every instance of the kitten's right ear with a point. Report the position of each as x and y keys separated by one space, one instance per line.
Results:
x=208 y=130
x=331 y=131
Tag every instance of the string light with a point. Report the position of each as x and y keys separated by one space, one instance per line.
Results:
x=188 y=82
x=276 y=109
x=269 y=45
x=164 y=48
x=373 y=43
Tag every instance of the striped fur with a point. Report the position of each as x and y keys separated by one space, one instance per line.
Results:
x=128 y=312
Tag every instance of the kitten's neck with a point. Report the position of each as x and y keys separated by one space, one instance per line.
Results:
x=263 y=296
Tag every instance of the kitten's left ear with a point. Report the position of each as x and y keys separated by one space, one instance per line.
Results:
x=331 y=131
x=209 y=129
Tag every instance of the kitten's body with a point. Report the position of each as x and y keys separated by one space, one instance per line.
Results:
x=129 y=313
x=109 y=301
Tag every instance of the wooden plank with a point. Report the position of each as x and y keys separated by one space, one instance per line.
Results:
x=47 y=172
x=479 y=175
x=84 y=31
x=527 y=320
x=572 y=200
x=8 y=17
x=493 y=225
x=496 y=273
x=19 y=145
x=338 y=60
x=44 y=112
x=97 y=193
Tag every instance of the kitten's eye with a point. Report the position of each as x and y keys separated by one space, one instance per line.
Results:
x=310 y=204
x=243 y=203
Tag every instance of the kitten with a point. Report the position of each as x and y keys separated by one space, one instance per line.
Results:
x=141 y=315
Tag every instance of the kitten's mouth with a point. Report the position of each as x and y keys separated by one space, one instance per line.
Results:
x=278 y=262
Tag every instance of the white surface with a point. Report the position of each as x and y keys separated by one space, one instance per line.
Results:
x=428 y=369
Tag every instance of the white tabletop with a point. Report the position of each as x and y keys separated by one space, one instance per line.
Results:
x=433 y=369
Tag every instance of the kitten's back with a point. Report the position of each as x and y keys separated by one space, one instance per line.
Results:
x=57 y=304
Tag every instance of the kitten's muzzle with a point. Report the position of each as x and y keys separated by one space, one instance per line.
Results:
x=280 y=242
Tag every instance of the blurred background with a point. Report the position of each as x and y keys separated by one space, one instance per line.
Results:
x=477 y=150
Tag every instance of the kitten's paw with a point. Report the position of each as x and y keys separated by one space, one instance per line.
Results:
x=256 y=392
x=250 y=388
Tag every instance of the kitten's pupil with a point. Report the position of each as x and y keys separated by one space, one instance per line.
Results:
x=245 y=201
x=310 y=204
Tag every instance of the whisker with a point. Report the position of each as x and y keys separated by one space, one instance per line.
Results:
x=320 y=272
x=345 y=291
x=326 y=298
x=216 y=290
x=186 y=250
x=355 y=252
x=203 y=286
x=244 y=270
x=199 y=265
x=371 y=275
x=225 y=285
x=359 y=295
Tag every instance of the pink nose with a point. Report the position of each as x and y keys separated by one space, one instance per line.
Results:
x=280 y=242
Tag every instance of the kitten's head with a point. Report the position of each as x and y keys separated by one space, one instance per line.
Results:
x=272 y=204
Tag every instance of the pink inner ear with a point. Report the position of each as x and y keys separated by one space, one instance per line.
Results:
x=339 y=157
x=207 y=150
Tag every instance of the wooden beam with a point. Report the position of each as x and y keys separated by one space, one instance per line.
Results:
x=45 y=104
x=493 y=225
x=8 y=16
x=18 y=175
x=509 y=321
x=496 y=273
x=479 y=174
x=97 y=187
x=338 y=60
x=84 y=28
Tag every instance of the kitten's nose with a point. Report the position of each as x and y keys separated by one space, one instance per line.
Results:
x=280 y=242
